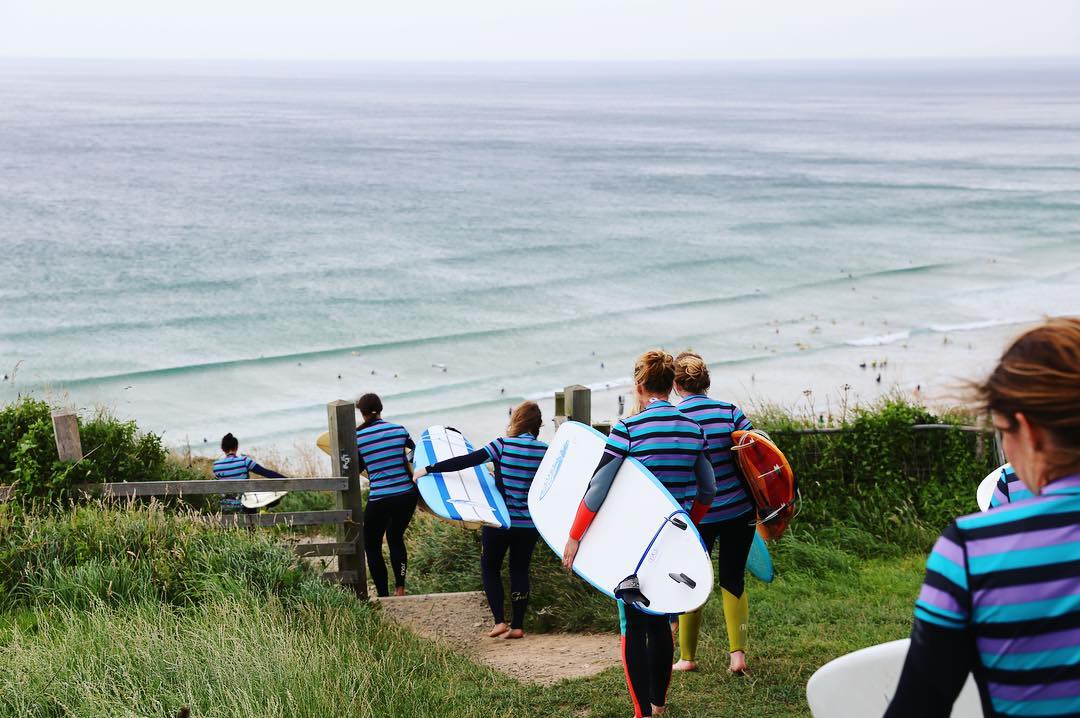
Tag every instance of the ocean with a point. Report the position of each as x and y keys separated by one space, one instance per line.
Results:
x=210 y=247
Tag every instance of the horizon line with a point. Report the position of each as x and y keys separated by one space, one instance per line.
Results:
x=550 y=60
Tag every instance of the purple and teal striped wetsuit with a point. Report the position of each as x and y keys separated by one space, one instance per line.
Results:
x=516 y=460
x=1001 y=599
x=382 y=447
x=719 y=419
x=1009 y=488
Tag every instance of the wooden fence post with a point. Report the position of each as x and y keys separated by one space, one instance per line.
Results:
x=66 y=427
x=345 y=461
x=577 y=400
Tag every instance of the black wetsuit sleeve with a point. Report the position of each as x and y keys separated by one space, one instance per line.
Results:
x=937 y=664
x=706 y=480
x=263 y=471
x=459 y=463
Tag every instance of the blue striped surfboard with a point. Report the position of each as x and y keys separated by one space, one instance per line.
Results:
x=467 y=497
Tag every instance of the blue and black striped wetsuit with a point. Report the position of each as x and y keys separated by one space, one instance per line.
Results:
x=672 y=446
x=516 y=459
x=1001 y=599
x=391 y=501
x=235 y=467
x=731 y=515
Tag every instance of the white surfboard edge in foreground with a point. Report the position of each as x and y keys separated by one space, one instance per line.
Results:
x=639 y=529
x=468 y=497
x=985 y=492
x=863 y=683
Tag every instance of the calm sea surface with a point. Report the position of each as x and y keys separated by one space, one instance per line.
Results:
x=208 y=247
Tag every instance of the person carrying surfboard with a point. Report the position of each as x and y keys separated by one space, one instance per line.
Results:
x=236 y=466
x=729 y=521
x=516 y=458
x=391 y=503
x=1001 y=597
x=672 y=446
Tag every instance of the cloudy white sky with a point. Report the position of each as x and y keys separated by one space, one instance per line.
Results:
x=539 y=29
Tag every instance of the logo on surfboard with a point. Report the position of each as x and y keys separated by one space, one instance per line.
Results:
x=549 y=480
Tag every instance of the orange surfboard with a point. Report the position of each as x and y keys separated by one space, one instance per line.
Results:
x=769 y=478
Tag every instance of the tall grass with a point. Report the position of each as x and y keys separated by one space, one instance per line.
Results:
x=94 y=554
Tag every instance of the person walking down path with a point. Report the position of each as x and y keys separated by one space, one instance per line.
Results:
x=516 y=457
x=236 y=466
x=730 y=521
x=1001 y=598
x=382 y=448
x=672 y=446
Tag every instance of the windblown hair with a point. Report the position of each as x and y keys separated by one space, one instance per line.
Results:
x=525 y=419
x=1039 y=377
x=229 y=443
x=691 y=373
x=655 y=371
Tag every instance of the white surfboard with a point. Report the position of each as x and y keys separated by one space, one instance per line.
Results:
x=468 y=497
x=639 y=529
x=985 y=492
x=260 y=499
x=863 y=683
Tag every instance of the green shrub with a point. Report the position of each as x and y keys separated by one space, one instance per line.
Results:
x=113 y=451
x=880 y=476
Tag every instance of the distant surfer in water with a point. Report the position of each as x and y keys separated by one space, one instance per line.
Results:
x=236 y=466
x=730 y=520
x=516 y=458
x=672 y=446
x=392 y=499
x=1001 y=588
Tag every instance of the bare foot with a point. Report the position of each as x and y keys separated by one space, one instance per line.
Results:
x=399 y=591
x=684 y=665
x=738 y=663
x=515 y=633
x=500 y=628
x=659 y=710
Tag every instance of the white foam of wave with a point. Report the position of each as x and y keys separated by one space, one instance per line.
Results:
x=879 y=340
x=985 y=324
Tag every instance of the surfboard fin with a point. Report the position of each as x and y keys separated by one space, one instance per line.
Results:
x=683 y=578
x=629 y=591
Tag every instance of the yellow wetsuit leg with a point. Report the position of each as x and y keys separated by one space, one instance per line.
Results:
x=737 y=617
x=689 y=627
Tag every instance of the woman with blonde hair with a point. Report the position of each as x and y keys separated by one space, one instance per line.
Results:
x=730 y=521
x=1001 y=597
x=672 y=446
x=516 y=457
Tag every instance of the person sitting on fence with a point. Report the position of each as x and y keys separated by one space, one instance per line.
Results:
x=1002 y=591
x=392 y=501
x=730 y=520
x=235 y=466
x=516 y=458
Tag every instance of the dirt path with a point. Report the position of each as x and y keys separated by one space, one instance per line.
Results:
x=462 y=620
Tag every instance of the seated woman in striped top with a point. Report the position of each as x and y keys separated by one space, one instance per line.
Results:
x=392 y=499
x=237 y=466
x=1002 y=592
x=516 y=456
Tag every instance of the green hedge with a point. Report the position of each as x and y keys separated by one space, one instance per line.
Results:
x=878 y=475
x=113 y=450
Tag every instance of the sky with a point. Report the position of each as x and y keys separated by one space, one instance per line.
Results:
x=527 y=30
